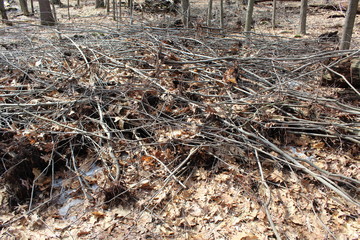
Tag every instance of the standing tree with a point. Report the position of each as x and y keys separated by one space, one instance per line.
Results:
x=273 y=18
x=46 y=16
x=120 y=12
x=24 y=7
x=249 y=13
x=114 y=9
x=131 y=8
x=185 y=5
x=349 y=24
x=3 y=14
x=32 y=7
x=53 y=10
x=303 y=10
x=68 y=8
x=221 y=13
x=209 y=13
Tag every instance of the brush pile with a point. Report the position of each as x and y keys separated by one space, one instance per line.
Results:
x=150 y=120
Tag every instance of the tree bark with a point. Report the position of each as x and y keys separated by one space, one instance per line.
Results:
x=222 y=14
x=185 y=4
x=131 y=7
x=54 y=10
x=249 y=13
x=68 y=8
x=273 y=17
x=46 y=16
x=114 y=9
x=303 y=11
x=209 y=13
x=349 y=24
x=120 y=12
x=4 y=17
x=32 y=7
x=24 y=7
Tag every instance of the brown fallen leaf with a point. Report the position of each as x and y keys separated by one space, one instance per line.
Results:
x=318 y=145
x=98 y=214
x=83 y=233
x=244 y=236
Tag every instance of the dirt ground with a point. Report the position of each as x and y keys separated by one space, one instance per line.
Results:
x=318 y=20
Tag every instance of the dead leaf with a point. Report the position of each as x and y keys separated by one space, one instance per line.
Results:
x=82 y=233
x=276 y=176
x=318 y=145
x=230 y=75
x=98 y=214
x=244 y=236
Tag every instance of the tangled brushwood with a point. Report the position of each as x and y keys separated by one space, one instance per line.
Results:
x=146 y=120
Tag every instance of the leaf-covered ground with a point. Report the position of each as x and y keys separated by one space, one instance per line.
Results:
x=166 y=133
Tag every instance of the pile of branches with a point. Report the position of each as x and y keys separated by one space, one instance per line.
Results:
x=159 y=6
x=176 y=100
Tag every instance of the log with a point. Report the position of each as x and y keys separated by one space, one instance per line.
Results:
x=349 y=68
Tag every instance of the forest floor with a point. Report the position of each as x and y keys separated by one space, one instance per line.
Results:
x=151 y=131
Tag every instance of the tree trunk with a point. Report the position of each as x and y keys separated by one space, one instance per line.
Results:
x=68 y=8
x=273 y=18
x=249 y=13
x=209 y=13
x=99 y=4
x=24 y=7
x=120 y=12
x=32 y=7
x=46 y=16
x=54 y=10
x=114 y=9
x=222 y=14
x=3 y=14
x=349 y=24
x=131 y=6
x=185 y=5
x=303 y=10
